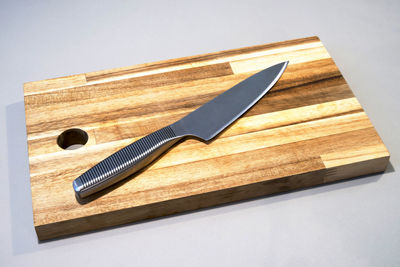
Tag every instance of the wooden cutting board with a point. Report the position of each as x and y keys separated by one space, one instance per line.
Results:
x=308 y=130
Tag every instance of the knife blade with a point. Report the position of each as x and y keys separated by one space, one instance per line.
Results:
x=204 y=123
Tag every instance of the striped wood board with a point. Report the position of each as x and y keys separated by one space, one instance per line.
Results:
x=308 y=130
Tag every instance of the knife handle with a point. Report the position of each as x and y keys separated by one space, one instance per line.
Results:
x=125 y=162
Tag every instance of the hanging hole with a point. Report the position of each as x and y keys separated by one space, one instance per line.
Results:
x=72 y=139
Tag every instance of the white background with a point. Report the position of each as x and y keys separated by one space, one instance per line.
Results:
x=351 y=223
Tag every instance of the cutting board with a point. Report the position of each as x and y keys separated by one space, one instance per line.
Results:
x=308 y=130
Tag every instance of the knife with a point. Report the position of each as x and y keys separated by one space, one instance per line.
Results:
x=204 y=123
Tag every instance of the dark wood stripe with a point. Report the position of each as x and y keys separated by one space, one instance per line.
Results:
x=298 y=96
x=118 y=87
x=307 y=72
x=284 y=96
x=305 y=95
x=204 y=57
x=313 y=94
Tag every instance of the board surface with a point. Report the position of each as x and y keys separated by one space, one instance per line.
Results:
x=308 y=130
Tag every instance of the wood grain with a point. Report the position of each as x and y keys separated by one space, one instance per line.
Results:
x=309 y=130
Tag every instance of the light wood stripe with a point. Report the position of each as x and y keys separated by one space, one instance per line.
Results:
x=336 y=159
x=201 y=60
x=40 y=87
x=294 y=57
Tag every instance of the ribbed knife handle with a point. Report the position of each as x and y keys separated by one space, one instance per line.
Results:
x=125 y=162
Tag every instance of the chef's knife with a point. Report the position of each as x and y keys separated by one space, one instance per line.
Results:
x=204 y=123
